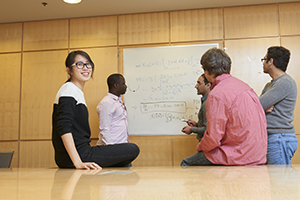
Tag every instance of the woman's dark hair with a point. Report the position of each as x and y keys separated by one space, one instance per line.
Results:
x=216 y=62
x=71 y=59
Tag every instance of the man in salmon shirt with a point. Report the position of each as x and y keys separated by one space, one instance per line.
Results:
x=236 y=131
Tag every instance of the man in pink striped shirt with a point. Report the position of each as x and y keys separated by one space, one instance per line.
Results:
x=236 y=131
x=112 y=113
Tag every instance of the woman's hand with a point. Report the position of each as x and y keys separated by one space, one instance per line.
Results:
x=88 y=165
x=72 y=151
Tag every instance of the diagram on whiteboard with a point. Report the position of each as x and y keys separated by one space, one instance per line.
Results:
x=161 y=87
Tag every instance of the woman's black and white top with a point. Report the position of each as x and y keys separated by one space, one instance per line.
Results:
x=70 y=115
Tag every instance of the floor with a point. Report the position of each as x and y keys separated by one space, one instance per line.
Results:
x=218 y=182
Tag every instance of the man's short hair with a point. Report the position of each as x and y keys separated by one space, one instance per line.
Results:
x=205 y=79
x=112 y=79
x=280 y=55
x=216 y=62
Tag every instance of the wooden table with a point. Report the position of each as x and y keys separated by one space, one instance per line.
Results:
x=218 y=182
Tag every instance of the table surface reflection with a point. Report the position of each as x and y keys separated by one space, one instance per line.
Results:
x=211 y=182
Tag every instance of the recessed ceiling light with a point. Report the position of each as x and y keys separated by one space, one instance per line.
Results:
x=72 y=1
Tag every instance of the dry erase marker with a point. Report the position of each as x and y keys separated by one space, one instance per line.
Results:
x=184 y=120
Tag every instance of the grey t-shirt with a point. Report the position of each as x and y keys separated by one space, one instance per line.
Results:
x=282 y=93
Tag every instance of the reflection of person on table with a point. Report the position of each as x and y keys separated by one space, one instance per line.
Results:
x=68 y=190
x=71 y=131
x=77 y=184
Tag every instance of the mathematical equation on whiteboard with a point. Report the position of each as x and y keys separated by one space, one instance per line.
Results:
x=165 y=89
x=170 y=64
x=169 y=110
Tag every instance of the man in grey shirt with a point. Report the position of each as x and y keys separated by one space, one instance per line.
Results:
x=203 y=88
x=278 y=99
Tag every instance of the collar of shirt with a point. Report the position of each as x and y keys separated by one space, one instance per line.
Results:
x=116 y=98
x=220 y=78
x=204 y=97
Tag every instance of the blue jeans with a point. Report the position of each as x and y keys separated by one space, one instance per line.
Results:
x=281 y=148
x=197 y=159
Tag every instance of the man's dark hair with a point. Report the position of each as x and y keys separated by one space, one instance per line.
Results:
x=205 y=79
x=280 y=56
x=112 y=79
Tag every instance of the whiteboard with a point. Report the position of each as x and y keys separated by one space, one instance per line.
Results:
x=161 y=87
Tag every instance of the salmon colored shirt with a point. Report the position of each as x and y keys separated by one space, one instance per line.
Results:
x=236 y=131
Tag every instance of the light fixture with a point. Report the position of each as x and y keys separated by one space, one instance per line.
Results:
x=72 y=1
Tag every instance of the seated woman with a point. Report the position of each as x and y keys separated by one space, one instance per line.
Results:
x=70 y=126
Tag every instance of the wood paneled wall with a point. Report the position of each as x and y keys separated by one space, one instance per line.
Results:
x=32 y=56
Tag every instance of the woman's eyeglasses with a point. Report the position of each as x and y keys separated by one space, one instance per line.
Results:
x=80 y=65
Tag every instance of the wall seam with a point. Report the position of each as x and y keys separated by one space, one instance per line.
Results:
x=20 y=98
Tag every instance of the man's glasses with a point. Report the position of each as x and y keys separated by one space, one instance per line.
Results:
x=80 y=65
x=263 y=59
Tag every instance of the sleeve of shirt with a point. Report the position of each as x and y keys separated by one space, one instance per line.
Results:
x=199 y=130
x=216 y=124
x=202 y=121
x=65 y=115
x=105 y=112
x=275 y=94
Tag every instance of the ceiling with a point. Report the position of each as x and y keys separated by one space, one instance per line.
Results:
x=33 y=10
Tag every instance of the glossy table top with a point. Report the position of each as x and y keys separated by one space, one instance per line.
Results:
x=212 y=182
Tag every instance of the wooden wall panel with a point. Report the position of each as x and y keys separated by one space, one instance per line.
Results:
x=251 y=21
x=154 y=150
x=106 y=63
x=44 y=35
x=94 y=31
x=246 y=60
x=42 y=75
x=289 y=18
x=191 y=25
x=247 y=33
x=10 y=37
x=293 y=43
x=36 y=154
x=10 y=95
x=144 y=28
x=8 y=147
x=183 y=147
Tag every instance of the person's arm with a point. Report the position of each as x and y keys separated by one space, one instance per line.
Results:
x=275 y=94
x=200 y=128
x=216 y=125
x=72 y=151
x=105 y=113
x=64 y=125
